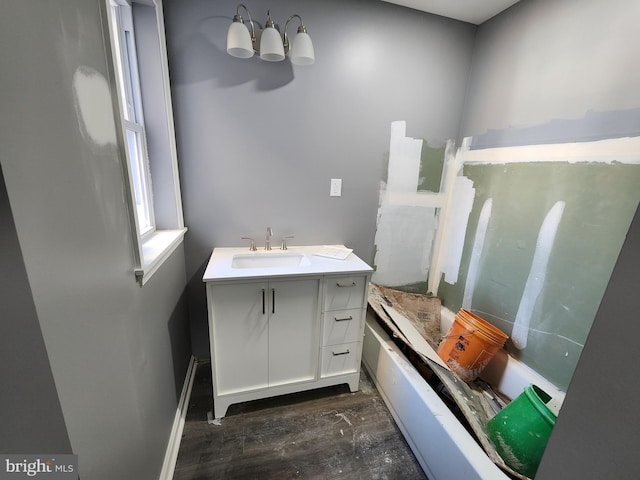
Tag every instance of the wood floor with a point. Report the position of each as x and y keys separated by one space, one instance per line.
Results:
x=328 y=433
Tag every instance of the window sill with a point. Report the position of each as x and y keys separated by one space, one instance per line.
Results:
x=155 y=250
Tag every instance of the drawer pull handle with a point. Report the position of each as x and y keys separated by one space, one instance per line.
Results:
x=347 y=285
x=264 y=310
x=345 y=319
x=273 y=300
x=340 y=353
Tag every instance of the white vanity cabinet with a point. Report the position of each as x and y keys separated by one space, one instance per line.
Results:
x=263 y=333
x=274 y=332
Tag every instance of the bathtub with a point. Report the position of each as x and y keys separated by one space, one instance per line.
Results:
x=441 y=444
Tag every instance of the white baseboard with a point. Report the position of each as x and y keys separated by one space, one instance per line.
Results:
x=171 y=454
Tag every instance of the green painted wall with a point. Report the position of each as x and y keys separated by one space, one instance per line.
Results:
x=600 y=202
x=431 y=165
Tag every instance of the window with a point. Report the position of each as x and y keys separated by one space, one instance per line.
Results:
x=133 y=119
x=140 y=73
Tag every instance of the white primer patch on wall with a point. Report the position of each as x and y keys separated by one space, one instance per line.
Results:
x=476 y=253
x=456 y=226
x=537 y=274
x=404 y=160
x=93 y=106
x=457 y=194
x=406 y=219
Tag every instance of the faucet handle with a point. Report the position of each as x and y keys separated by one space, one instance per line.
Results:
x=284 y=242
x=253 y=243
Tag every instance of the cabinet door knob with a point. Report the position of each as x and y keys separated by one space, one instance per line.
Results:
x=335 y=354
x=346 y=285
x=345 y=319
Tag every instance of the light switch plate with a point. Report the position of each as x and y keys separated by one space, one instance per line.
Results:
x=336 y=187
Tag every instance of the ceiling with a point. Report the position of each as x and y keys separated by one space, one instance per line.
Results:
x=472 y=11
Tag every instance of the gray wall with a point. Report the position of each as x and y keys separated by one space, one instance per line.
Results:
x=24 y=366
x=258 y=142
x=546 y=60
x=118 y=352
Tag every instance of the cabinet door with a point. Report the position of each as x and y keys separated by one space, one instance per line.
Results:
x=294 y=328
x=240 y=337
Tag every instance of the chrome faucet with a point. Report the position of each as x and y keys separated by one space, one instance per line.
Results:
x=267 y=242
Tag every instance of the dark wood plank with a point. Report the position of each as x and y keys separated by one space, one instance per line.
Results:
x=328 y=433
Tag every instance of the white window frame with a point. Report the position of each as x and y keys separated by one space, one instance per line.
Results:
x=130 y=94
x=152 y=245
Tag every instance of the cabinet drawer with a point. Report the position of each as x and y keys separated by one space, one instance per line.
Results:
x=344 y=293
x=340 y=359
x=342 y=326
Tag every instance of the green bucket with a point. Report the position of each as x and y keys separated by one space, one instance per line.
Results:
x=520 y=431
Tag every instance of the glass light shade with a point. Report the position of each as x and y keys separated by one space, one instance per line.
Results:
x=271 y=47
x=301 y=52
x=239 y=41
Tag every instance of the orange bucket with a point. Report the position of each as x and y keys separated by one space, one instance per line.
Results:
x=470 y=345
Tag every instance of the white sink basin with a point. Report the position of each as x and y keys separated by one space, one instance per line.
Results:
x=269 y=260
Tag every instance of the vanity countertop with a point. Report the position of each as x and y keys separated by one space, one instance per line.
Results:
x=241 y=263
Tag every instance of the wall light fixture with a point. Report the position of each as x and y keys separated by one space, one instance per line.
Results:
x=243 y=42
